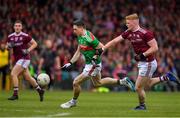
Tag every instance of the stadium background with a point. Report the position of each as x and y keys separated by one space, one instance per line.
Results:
x=52 y=19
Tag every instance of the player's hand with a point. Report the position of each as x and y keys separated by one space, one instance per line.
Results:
x=25 y=52
x=10 y=45
x=94 y=60
x=140 y=57
x=99 y=51
x=66 y=66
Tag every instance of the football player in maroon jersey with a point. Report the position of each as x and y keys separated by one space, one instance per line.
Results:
x=22 y=44
x=145 y=47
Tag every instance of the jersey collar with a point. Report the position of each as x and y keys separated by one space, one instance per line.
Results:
x=136 y=29
x=85 y=33
x=17 y=34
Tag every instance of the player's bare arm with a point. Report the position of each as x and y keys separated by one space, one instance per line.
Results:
x=33 y=45
x=153 y=48
x=113 y=42
x=10 y=45
x=73 y=60
x=76 y=55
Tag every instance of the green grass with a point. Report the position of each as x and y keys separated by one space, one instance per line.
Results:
x=113 y=104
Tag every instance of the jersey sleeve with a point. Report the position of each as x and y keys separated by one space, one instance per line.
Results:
x=125 y=34
x=94 y=41
x=28 y=39
x=148 y=36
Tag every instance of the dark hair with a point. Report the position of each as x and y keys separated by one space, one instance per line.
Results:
x=18 y=21
x=79 y=23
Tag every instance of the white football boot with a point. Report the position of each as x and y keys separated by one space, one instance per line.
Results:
x=69 y=104
x=127 y=82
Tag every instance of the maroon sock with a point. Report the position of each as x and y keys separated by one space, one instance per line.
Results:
x=15 y=91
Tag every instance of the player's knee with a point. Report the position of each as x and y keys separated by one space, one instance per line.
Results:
x=28 y=78
x=13 y=74
x=75 y=84
x=97 y=84
x=138 y=88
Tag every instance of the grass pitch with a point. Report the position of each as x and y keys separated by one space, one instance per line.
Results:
x=113 y=104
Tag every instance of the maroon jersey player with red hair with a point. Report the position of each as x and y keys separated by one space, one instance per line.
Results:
x=145 y=47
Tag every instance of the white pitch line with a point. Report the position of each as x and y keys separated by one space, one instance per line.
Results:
x=19 y=110
x=60 y=114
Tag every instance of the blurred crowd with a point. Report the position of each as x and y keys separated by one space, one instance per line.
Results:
x=52 y=20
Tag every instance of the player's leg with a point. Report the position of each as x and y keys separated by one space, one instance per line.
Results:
x=77 y=84
x=111 y=81
x=146 y=70
x=141 y=82
x=97 y=81
x=76 y=90
x=17 y=69
x=33 y=82
x=166 y=77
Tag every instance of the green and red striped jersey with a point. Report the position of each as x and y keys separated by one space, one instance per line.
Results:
x=87 y=44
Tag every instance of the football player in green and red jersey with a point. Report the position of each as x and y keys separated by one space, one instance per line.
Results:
x=90 y=47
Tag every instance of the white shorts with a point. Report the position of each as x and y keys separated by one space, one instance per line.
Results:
x=90 y=70
x=23 y=62
x=146 y=69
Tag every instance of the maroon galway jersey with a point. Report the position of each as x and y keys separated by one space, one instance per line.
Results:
x=139 y=40
x=21 y=41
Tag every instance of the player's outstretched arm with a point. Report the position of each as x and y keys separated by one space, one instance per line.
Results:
x=76 y=55
x=113 y=42
x=73 y=60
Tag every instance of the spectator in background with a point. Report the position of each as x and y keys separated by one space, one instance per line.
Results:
x=4 y=63
x=49 y=61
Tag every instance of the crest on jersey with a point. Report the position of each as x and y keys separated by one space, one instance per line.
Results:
x=11 y=39
x=139 y=39
x=130 y=35
x=16 y=38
